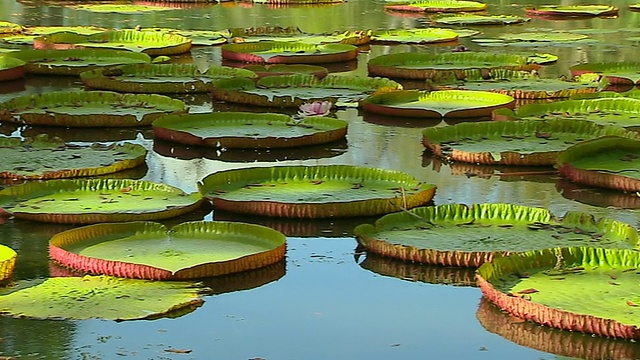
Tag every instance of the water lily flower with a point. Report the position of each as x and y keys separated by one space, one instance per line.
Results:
x=316 y=108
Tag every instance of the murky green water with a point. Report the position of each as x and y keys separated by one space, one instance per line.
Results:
x=328 y=301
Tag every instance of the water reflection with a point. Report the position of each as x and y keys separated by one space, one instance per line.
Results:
x=597 y=196
x=400 y=121
x=555 y=341
x=182 y=152
x=294 y=227
x=542 y=174
x=408 y=271
x=52 y=340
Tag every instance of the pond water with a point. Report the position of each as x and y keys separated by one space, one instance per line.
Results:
x=328 y=300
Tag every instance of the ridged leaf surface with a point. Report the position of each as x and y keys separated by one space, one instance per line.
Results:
x=46 y=158
x=150 y=250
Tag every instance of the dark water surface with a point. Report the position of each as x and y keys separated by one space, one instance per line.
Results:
x=328 y=301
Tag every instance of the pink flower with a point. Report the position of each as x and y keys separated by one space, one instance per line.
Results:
x=316 y=108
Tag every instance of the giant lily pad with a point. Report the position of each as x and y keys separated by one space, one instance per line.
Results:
x=293 y=33
x=314 y=191
x=438 y=6
x=198 y=37
x=96 y=200
x=73 y=62
x=7 y=27
x=102 y=297
x=460 y=235
x=426 y=66
x=248 y=130
x=415 y=36
x=294 y=90
x=7 y=263
x=619 y=111
x=572 y=10
x=444 y=103
x=152 y=43
x=159 y=78
x=611 y=162
x=11 y=68
x=49 y=158
x=45 y=30
x=586 y=289
x=148 y=250
x=617 y=73
x=89 y=109
x=288 y=52
x=517 y=84
x=476 y=19
x=513 y=142
x=121 y=9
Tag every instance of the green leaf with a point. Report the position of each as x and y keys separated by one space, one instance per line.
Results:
x=288 y=52
x=89 y=109
x=572 y=10
x=587 y=289
x=618 y=111
x=475 y=19
x=47 y=158
x=7 y=262
x=73 y=62
x=513 y=142
x=459 y=235
x=96 y=200
x=160 y=78
x=444 y=103
x=102 y=297
x=314 y=191
x=437 y=6
x=417 y=36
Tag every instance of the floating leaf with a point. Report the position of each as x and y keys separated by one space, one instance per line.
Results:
x=460 y=235
x=288 y=52
x=572 y=10
x=314 y=191
x=147 y=250
x=102 y=297
x=437 y=6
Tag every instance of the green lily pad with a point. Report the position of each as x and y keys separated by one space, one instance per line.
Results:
x=159 y=78
x=513 y=142
x=121 y=9
x=616 y=111
x=248 y=130
x=7 y=27
x=292 y=33
x=85 y=201
x=198 y=37
x=89 y=109
x=611 y=162
x=617 y=73
x=45 y=30
x=288 y=52
x=298 y=2
x=152 y=43
x=102 y=297
x=7 y=263
x=314 y=191
x=148 y=250
x=73 y=62
x=634 y=7
x=11 y=68
x=427 y=66
x=555 y=37
x=572 y=10
x=550 y=340
x=294 y=90
x=585 y=289
x=51 y=158
x=517 y=84
x=475 y=19
x=437 y=6
x=415 y=36
x=444 y=103
x=459 y=235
